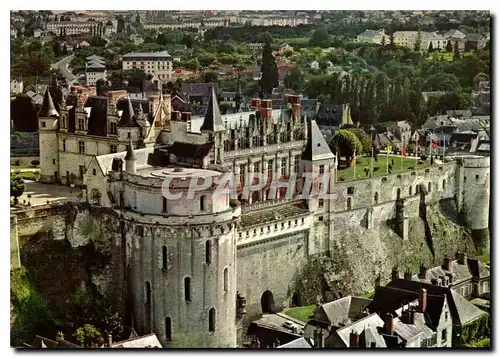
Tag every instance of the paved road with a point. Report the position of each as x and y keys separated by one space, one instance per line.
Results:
x=63 y=68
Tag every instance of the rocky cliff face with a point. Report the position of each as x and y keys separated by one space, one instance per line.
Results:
x=364 y=257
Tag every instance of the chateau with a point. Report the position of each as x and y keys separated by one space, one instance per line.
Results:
x=190 y=263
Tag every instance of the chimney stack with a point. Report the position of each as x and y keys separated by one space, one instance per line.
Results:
x=395 y=273
x=422 y=300
x=446 y=262
x=423 y=272
x=463 y=258
x=407 y=275
x=266 y=108
x=389 y=324
x=110 y=340
x=59 y=336
x=353 y=340
x=295 y=101
x=255 y=104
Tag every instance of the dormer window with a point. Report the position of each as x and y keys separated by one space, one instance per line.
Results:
x=44 y=124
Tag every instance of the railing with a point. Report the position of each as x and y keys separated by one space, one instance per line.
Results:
x=264 y=149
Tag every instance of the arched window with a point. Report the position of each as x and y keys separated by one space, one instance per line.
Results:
x=148 y=292
x=429 y=186
x=164 y=256
x=202 y=203
x=168 y=329
x=208 y=252
x=349 y=204
x=444 y=183
x=410 y=190
x=398 y=194
x=226 y=280
x=376 y=197
x=211 y=320
x=187 y=289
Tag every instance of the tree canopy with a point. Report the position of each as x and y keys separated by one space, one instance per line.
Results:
x=346 y=144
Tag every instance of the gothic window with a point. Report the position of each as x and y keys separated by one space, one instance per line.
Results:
x=226 y=280
x=187 y=289
x=270 y=168
x=168 y=329
x=283 y=166
x=81 y=124
x=202 y=203
x=208 y=252
x=164 y=256
x=64 y=145
x=211 y=320
x=164 y=205
x=148 y=292
x=255 y=141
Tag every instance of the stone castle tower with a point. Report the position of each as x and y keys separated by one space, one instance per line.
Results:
x=49 y=146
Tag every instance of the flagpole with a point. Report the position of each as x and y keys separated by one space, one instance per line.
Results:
x=402 y=148
x=354 y=165
x=336 y=164
x=444 y=145
x=371 y=163
x=387 y=159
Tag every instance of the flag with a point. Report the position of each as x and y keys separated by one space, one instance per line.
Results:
x=403 y=151
x=389 y=148
x=434 y=145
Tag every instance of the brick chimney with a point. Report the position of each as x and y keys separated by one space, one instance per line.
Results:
x=463 y=258
x=422 y=300
x=423 y=272
x=318 y=338
x=446 y=262
x=59 y=336
x=395 y=273
x=266 y=108
x=353 y=340
x=389 y=324
x=255 y=104
x=110 y=340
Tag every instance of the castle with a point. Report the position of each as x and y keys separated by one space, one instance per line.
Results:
x=185 y=259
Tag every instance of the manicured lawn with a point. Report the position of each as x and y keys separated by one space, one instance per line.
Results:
x=293 y=40
x=400 y=165
x=368 y=294
x=301 y=313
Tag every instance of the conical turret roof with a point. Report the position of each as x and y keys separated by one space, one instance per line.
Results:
x=213 y=119
x=316 y=147
x=48 y=109
x=128 y=116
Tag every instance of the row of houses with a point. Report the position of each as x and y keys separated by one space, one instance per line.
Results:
x=429 y=309
x=409 y=39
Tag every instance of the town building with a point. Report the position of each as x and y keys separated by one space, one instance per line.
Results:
x=154 y=63
x=373 y=36
x=95 y=70
x=79 y=27
x=405 y=38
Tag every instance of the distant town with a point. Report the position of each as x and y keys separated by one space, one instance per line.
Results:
x=250 y=179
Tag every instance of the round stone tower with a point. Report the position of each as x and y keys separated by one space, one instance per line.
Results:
x=474 y=197
x=180 y=256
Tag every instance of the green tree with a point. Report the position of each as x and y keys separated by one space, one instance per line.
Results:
x=364 y=139
x=449 y=46
x=418 y=42
x=88 y=335
x=135 y=77
x=295 y=79
x=269 y=71
x=320 y=38
x=209 y=76
x=431 y=48
x=392 y=45
x=16 y=186
x=99 y=84
x=346 y=144
x=456 y=52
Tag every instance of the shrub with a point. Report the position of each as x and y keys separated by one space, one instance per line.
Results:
x=420 y=162
x=35 y=162
x=17 y=162
x=411 y=167
x=423 y=157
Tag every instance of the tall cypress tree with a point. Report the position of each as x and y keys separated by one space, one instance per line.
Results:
x=269 y=71
x=456 y=53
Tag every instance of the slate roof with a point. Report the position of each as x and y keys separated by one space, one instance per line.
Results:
x=203 y=89
x=42 y=342
x=316 y=147
x=147 y=341
x=189 y=150
x=48 y=109
x=344 y=310
x=371 y=321
x=105 y=161
x=369 y=335
x=458 y=307
x=466 y=311
x=212 y=121
x=301 y=342
x=477 y=268
x=459 y=273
